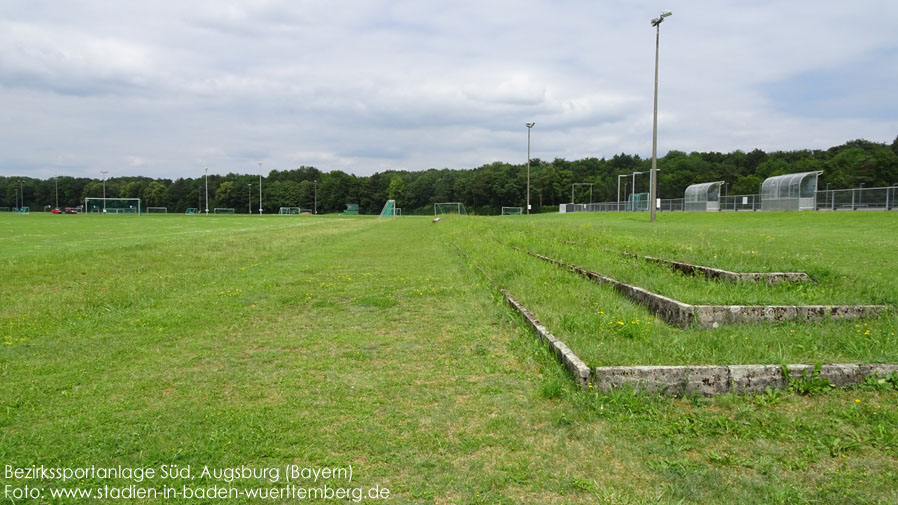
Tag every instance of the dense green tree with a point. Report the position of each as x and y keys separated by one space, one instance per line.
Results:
x=396 y=188
x=224 y=194
x=155 y=195
x=484 y=189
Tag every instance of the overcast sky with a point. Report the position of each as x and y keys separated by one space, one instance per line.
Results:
x=166 y=88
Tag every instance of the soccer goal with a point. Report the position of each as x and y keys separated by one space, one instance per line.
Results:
x=222 y=210
x=389 y=209
x=157 y=210
x=449 y=208
x=4 y=209
x=112 y=205
x=512 y=211
x=289 y=210
x=190 y=211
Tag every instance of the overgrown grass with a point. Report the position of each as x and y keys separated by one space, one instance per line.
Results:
x=325 y=341
x=604 y=328
x=850 y=257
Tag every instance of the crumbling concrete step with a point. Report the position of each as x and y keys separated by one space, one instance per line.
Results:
x=715 y=380
x=683 y=315
x=772 y=278
x=562 y=352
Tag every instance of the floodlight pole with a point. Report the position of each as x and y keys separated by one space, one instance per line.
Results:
x=618 y=190
x=207 y=190
x=315 y=205
x=654 y=183
x=529 y=127
x=56 y=180
x=22 y=192
x=249 y=204
x=104 y=172
x=260 y=188
x=16 y=191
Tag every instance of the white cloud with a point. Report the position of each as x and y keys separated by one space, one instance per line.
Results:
x=165 y=88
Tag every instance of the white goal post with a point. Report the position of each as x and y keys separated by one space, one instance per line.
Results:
x=157 y=210
x=112 y=206
x=512 y=211
x=449 y=208
x=223 y=210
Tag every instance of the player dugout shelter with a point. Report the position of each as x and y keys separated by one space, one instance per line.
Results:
x=790 y=192
x=704 y=197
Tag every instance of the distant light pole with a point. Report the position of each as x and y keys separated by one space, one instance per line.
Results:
x=618 y=190
x=22 y=193
x=315 y=205
x=56 y=180
x=16 y=191
x=207 y=190
x=260 y=188
x=633 y=187
x=529 y=127
x=249 y=204
x=104 y=172
x=654 y=186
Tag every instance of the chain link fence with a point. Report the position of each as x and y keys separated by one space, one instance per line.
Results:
x=884 y=198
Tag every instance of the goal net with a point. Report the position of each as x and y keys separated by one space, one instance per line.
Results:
x=290 y=210
x=112 y=205
x=157 y=210
x=221 y=210
x=512 y=211
x=389 y=209
x=449 y=208
x=191 y=210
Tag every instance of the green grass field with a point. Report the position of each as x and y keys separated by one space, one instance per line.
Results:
x=329 y=342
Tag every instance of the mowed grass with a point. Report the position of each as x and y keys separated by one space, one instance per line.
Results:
x=605 y=328
x=327 y=341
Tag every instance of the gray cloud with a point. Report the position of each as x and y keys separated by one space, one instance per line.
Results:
x=166 y=88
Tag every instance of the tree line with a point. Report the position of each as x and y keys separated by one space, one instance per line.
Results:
x=483 y=190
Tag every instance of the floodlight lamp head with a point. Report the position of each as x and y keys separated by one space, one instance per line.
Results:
x=530 y=125
x=657 y=21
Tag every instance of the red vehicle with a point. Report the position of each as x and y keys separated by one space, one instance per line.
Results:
x=69 y=210
x=56 y=211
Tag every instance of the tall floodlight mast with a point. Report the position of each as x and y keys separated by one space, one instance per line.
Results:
x=207 y=190
x=654 y=185
x=260 y=188
x=104 y=172
x=529 y=127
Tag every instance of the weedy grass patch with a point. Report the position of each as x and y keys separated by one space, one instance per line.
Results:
x=329 y=341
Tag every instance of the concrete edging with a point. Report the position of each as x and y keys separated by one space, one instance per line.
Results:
x=772 y=278
x=682 y=314
x=563 y=353
x=713 y=380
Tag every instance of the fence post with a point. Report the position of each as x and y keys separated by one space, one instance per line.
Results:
x=852 y=199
